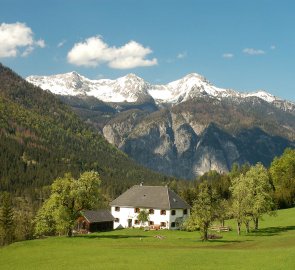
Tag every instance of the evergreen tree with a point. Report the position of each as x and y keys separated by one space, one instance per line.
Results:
x=6 y=220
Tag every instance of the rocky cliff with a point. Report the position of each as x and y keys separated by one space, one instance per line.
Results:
x=184 y=128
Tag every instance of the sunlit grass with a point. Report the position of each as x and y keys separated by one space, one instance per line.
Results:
x=272 y=247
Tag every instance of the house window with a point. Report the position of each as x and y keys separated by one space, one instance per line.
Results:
x=136 y=222
x=151 y=211
x=185 y=211
x=163 y=212
x=136 y=210
x=163 y=224
x=117 y=220
x=117 y=209
x=172 y=224
x=173 y=212
x=151 y=223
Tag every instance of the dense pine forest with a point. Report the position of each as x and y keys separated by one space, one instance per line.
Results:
x=41 y=138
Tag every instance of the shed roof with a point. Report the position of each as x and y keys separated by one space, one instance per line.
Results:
x=155 y=197
x=100 y=215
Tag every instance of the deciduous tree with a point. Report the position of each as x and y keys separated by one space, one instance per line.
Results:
x=251 y=196
x=261 y=192
x=241 y=198
x=204 y=210
x=282 y=172
x=68 y=197
x=143 y=216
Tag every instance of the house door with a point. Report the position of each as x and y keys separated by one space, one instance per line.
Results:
x=129 y=223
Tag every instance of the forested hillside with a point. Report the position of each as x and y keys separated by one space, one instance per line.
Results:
x=42 y=138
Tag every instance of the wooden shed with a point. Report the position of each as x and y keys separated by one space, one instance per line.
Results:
x=95 y=221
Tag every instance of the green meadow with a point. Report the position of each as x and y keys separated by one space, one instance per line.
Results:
x=272 y=247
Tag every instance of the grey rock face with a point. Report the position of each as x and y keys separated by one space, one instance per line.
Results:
x=175 y=144
x=193 y=137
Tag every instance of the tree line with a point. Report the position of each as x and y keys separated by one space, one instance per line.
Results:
x=245 y=194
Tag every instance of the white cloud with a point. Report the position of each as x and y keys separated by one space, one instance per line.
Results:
x=17 y=39
x=60 y=44
x=94 y=51
x=27 y=51
x=182 y=55
x=252 y=51
x=40 y=43
x=228 y=55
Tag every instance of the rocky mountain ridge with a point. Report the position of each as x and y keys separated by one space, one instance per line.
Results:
x=133 y=89
x=183 y=128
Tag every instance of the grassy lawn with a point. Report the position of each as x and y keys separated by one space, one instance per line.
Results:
x=272 y=247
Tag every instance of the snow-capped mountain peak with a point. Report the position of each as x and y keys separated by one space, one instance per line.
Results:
x=70 y=83
x=131 y=88
x=263 y=95
x=132 y=76
x=130 y=80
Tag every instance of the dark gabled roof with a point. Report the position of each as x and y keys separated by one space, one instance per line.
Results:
x=155 y=197
x=100 y=215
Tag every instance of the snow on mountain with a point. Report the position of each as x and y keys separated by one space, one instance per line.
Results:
x=131 y=88
x=190 y=86
x=263 y=95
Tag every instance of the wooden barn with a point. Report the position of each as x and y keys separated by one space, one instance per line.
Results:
x=95 y=221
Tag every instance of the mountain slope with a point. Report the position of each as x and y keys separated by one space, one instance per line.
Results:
x=188 y=126
x=41 y=138
x=186 y=144
x=203 y=134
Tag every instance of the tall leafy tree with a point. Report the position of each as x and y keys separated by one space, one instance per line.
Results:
x=251 y=196
x=68 y=197
x=241 y=201
x=261 y=192
x=204 y=210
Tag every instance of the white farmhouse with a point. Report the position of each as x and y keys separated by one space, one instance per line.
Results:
x=165 y=207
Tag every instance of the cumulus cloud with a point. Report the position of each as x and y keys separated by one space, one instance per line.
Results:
x=228 y=55
x=252 y=51
x=17 y=39
x=182 y=55
x=94 y=51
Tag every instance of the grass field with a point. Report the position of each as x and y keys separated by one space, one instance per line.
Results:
x=272 y=247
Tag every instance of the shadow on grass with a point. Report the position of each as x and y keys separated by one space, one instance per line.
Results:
x=271 y=231
x=225 y=241
x=114 y=236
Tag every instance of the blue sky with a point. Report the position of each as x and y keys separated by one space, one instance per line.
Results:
x=243 y=45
